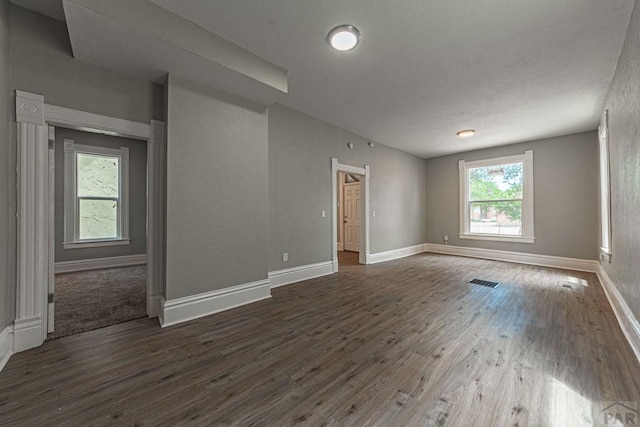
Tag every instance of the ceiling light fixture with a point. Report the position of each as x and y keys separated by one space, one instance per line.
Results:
x=344 y=38
x=466 y=133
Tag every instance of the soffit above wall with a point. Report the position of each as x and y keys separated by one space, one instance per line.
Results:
x=140 y=38
x=513 y=70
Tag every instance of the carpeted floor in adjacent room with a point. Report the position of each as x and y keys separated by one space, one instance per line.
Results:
x=94 y=299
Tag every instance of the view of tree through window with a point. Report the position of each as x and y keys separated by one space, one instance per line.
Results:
x=98 y=196
x=495 y=199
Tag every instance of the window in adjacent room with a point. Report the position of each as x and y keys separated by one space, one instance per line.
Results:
x=605 y=189
x=96 y=195
x=496 y=199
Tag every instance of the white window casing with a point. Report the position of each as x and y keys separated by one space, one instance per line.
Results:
x=527 y=235
x=605 y=187
x=71 y=206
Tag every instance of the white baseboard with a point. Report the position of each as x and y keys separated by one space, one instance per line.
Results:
x=98 y=263
x=6 y=346
x=27 y=333
x=627 y=321
x=195 y=306
x=395 y=254
x=298 y=274
x=518 y=257
x=154 y=307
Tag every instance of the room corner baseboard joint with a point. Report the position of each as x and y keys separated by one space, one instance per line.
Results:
x=395 y=254
x=625 y=317
x=576 y=264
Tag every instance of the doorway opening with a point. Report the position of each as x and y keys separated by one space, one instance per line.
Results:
x=350 y=213
x=99 y=187
x=349 y=217
x=35 y=307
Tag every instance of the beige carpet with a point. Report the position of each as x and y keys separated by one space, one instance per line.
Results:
x=94 y=299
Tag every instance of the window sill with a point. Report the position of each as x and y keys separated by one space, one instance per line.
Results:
x=95 y=243
x=498 y=238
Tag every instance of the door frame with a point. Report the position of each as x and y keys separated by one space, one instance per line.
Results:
x=34 y=255
x=341 y=219
x=364 y=208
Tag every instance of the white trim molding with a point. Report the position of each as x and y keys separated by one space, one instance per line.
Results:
x=517 y=257
x=33 y=223
x=156 y=191
x=99 y=263
x=34 y=251
x=181 y=310
x=27 y=333
x=96 y=243
x=364 y=202
x=527 y=223
x=396 y=253
x=627 y=321
x=72 y=238
x=605 y=187
x=300 y=273
x=96 y=123
x=6 y=346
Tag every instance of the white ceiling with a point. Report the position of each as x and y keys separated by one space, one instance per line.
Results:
x=513 y=70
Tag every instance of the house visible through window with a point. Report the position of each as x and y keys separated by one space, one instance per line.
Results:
x=96 y=195
x=496 y=199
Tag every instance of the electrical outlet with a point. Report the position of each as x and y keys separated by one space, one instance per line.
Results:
x=285 y=257
x=374 y=214
x=446 y=238
x=324 y=214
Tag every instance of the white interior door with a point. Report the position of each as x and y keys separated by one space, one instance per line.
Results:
x=352 y=217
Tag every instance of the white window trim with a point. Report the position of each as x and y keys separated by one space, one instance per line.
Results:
x=605 y=187
x=527 y=198
x=71 y=232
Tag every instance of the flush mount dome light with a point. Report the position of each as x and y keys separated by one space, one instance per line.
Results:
x=466 y=133
x=344 y=37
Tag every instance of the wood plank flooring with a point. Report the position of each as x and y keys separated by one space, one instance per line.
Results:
x=401 y=343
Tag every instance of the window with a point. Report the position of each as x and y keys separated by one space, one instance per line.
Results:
x=496 y=199
x=96 y=195
x=605 y=189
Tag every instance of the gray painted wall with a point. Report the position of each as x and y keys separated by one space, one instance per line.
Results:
x=41 y=62
x=137 y=195
x=565 y=174
x=624 y=141
x=300 y=152
x=5 y=168
x=216 y=190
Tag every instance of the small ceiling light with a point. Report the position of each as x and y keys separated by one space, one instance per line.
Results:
x=466 y=133
x=350 y=145
x=343 y=38
x=371 y=144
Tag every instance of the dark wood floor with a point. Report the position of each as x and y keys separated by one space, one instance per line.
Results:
x=403 y=343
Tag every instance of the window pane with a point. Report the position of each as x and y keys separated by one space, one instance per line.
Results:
x=97 y=175
x=497 y=182
x=496 y=218
x=98 y=219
